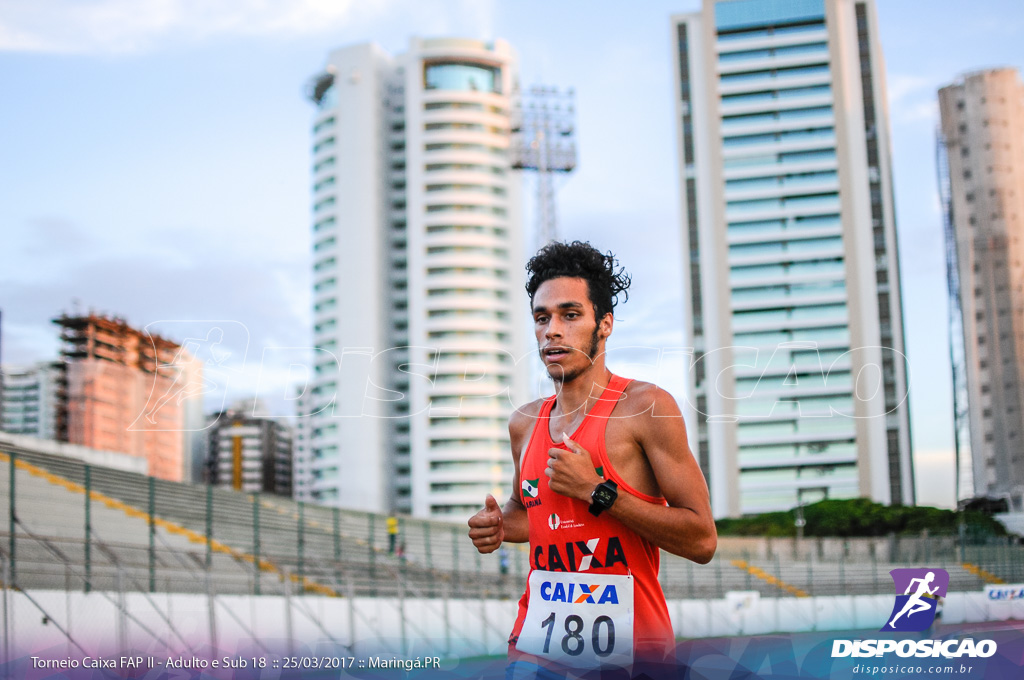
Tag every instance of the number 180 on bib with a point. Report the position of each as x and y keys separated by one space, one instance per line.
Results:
x=579 y=619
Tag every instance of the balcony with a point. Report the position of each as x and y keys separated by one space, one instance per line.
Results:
x=771 y=101
x=828 y=252
x=787 y=187
x=766 y=63
x=760 y=127
x=774 y=169
x=837 y=319
x=791 y=300
x=768 y=41
x=781 y=81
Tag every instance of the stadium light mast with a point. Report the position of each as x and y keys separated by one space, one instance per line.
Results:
x=544 y=141
x=964 y=473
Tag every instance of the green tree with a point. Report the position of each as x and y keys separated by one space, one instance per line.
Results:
x=860 y=517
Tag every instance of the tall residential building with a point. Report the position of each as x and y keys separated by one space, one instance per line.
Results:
x=790 y=257
x=983 y=138
x=249 y=453
x=419 y=308
x=29 y=399
x=123 y=390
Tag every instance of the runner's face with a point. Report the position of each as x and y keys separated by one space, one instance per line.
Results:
x=569 y=338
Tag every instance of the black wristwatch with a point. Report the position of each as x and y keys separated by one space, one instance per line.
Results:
x=603 y=497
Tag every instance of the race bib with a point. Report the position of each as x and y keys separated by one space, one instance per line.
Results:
x=579 y=619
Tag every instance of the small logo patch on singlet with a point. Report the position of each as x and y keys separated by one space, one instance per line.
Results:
x=531 y=489
x=556 y=522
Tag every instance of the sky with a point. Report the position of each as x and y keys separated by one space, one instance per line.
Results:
x=154 y=164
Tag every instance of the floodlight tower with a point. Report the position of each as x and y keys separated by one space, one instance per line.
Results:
x=964 y=473
x=544 y=141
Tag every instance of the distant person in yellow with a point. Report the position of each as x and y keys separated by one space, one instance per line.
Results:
x=392 y=533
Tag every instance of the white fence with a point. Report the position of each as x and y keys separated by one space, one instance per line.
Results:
x=54 y=624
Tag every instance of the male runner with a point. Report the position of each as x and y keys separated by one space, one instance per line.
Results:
x=603 y=479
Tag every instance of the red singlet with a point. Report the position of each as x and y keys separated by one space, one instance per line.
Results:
x=562 y=529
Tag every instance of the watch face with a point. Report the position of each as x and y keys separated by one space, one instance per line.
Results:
x=604 y=496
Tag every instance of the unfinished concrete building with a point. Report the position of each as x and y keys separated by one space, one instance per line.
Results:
x=120 y=389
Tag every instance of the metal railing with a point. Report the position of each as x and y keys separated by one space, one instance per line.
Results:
x=75 y=526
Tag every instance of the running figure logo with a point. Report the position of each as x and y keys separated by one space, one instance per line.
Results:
x=921 y=589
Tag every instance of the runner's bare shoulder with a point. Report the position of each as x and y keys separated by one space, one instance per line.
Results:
x=522 y=420
x=647 y=398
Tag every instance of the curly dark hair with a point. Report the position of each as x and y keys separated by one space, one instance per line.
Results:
x=604 y=276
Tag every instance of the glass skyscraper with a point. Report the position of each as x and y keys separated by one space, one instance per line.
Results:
x=798 y=379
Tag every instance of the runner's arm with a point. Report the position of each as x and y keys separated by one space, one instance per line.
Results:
x=517 y=529
x=520 y=427
x=492 y=526
x=685 y=526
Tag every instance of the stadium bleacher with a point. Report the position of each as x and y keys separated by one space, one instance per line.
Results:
x=202 y=539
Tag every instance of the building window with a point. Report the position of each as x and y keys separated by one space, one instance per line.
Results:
x=325 y=144
x=326 y=123
x=463 y=77
x=324 y=164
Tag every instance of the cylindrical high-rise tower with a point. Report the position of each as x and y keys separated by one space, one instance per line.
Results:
x=420 y=310
x=983 y=133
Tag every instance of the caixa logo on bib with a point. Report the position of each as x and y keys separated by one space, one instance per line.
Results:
x=579 y=593
x=917 y=596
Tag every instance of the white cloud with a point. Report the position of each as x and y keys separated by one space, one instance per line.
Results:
x=919 y=111
x=77 y=26
x=128 y=26
x=902 y=85
x=913 y=98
